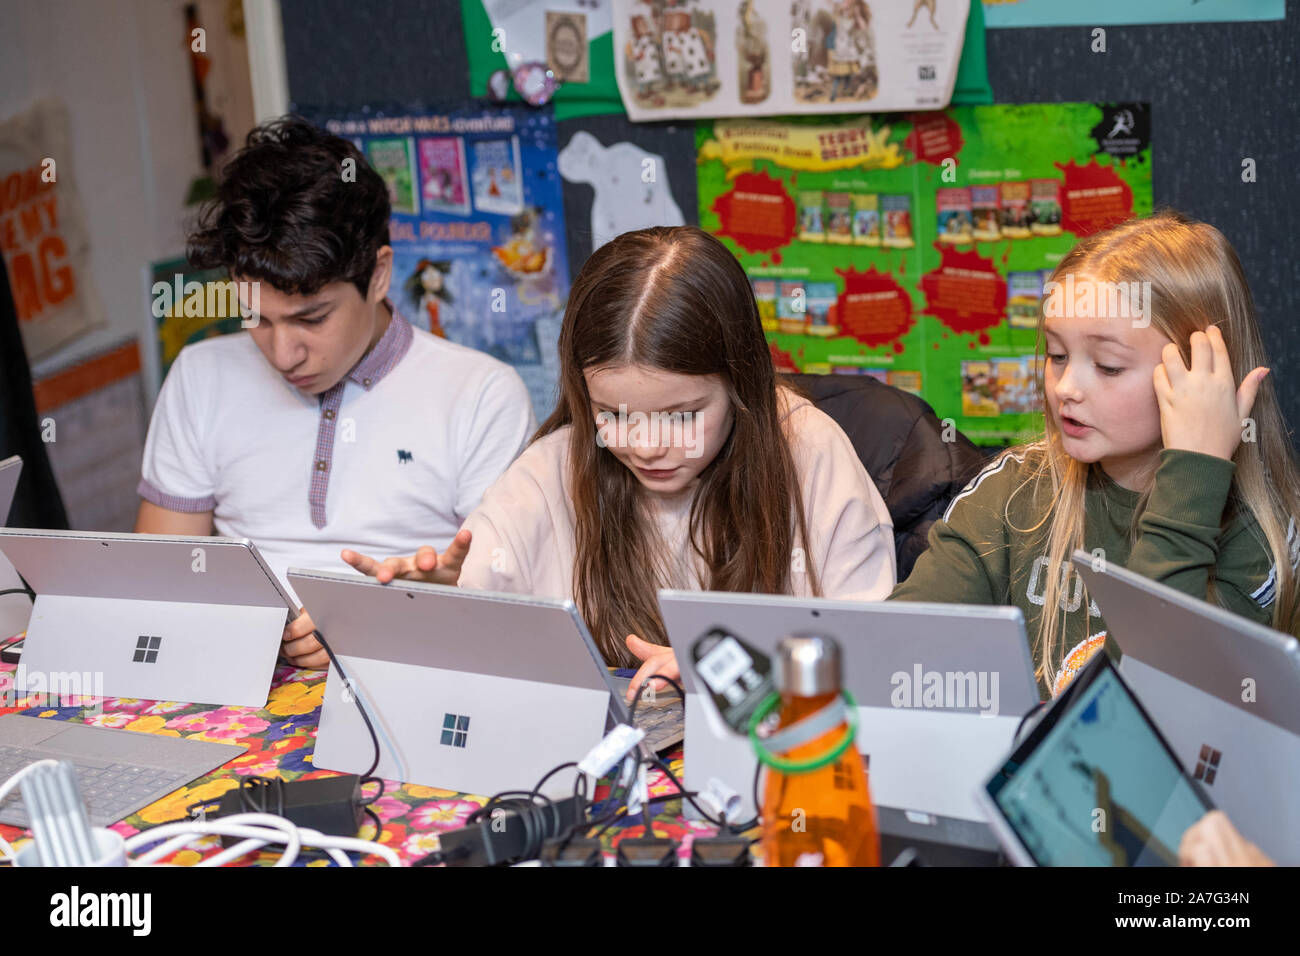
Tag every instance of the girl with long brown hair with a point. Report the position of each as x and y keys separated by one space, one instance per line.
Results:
x=1164 y=451
x=673 y=459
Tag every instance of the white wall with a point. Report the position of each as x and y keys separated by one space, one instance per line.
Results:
x=122 y=68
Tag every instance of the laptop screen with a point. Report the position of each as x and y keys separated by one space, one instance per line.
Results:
x=1095 y=784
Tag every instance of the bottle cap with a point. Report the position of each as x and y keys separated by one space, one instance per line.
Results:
x=807 y=665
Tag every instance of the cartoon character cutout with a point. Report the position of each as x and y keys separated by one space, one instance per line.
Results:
x=851 y=51
x=644 y=54
x=752 y=54
x=426 y=287
x=688 y=52
x=929 y=6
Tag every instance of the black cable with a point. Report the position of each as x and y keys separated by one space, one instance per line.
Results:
x=255 y=791
x=1015 y=738
x=531 y=815
x=631 y=716
x=25 y=589
x=379 y=826
x=552 y=773
x=613 y=818
x=720 y=824
x=758 y=807
x=368 y=776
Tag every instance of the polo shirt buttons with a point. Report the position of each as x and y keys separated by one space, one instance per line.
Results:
x=322 y=465
x=329 y=413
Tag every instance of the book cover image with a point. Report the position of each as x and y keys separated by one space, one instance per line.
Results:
x=954 y=211
x=1024 y=291
x=839 y=218
x=1014 y=210
x=896 y=214
x=791 y=307
x=765 y=299
x=496 y=175
x=821 y=299
x=394 y=160
x=984 y=212
x=866 y=219
x=444 y=179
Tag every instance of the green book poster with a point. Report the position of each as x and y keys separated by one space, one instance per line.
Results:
x=914 y=248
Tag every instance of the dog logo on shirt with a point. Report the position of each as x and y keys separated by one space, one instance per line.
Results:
x=404 y=456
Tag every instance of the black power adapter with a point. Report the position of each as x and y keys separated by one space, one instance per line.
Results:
x=332 y=805
x=504 y=838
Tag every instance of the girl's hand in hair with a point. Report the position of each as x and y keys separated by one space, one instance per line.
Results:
x=655 y=659
x=425 y=565
x=1202 y=408
x=1214 y=841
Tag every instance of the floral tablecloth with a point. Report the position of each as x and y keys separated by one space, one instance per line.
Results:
x=281 y=739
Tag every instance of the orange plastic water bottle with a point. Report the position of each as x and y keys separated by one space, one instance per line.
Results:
x=816 y=804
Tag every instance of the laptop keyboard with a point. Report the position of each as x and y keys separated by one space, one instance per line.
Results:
x=111 y=792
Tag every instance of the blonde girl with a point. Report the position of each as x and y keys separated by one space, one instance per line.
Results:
x=1164 y=452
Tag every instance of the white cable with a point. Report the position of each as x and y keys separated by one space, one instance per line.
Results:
x=6 y=848
x=233 y=853
x=257 y=830
x=257 y=826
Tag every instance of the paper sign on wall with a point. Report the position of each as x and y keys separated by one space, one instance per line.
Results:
x=712 y=58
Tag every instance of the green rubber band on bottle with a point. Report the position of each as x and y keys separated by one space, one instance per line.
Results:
x=783 y=765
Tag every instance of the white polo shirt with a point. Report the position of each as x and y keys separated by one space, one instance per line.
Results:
x=395 y=456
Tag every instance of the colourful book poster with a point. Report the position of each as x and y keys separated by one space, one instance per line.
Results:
x=394 y=160
x=483 y=262
x=945 y=303
x=497 y=176
x=444 y=178
x=183 y=309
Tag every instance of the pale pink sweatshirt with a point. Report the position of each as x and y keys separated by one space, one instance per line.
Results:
x=523 y=531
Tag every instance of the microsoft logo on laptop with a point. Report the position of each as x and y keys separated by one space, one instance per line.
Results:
x=455 y=730
x=1207 y=766
x=146 y=649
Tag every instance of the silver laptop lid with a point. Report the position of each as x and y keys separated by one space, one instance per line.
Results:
x=10 y=469
x=144 y=567
x=1208 y=647
x=889 y=648
x=450 y=628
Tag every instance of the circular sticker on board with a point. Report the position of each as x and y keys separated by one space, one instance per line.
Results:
x=498 y=86
x=535 y=83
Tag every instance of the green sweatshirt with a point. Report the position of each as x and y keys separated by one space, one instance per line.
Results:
x=976 y=556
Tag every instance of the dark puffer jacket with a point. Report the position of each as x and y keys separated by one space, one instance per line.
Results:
x=900 y=441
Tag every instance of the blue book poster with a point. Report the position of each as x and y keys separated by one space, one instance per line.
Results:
x=482 y=263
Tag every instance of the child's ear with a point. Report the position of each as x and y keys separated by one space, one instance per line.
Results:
x=382 y=276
